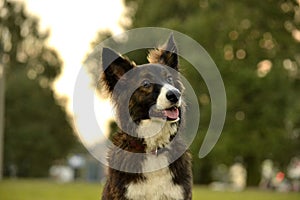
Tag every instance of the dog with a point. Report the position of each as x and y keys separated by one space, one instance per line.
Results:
x=148 y=159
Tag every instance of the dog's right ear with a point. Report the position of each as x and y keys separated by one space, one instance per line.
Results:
x=114 y=67
x=166 y=55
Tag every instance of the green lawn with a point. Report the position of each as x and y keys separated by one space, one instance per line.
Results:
x=47 y=190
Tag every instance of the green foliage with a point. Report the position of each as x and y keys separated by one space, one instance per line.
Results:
x=255 y=44
x=37 y=131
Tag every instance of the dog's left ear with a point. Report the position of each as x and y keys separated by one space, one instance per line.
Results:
x=167 y=55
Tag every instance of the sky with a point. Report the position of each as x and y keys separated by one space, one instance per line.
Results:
x=73 y=25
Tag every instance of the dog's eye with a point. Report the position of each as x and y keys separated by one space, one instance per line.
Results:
x=170 y=79
x=146 y=84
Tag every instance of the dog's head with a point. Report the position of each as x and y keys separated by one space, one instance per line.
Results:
x=145 y=92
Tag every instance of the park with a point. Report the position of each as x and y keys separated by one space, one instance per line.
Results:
x=254 y=46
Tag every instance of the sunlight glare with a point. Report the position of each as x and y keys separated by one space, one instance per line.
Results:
x=73 y=25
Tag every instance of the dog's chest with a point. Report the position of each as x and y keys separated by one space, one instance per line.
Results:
x=157 y=186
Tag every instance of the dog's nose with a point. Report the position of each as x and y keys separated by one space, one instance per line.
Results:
x=173 y=96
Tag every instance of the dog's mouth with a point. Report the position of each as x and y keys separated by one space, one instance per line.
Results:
x=169 y=114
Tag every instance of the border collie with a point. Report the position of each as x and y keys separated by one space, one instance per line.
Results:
x=149 y=159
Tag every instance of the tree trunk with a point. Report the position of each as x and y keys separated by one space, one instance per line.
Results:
x=2 y=99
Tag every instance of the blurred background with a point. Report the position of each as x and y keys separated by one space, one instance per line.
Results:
x=255 y=44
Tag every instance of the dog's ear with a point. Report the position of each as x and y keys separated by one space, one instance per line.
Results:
x=167 y=55
x=114 y=67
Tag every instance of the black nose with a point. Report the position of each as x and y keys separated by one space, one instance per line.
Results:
x=173 y=96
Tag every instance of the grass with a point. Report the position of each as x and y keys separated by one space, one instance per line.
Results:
x=249 y=194
x=48 y=190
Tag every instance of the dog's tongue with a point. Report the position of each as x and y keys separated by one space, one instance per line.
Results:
x=172 y=113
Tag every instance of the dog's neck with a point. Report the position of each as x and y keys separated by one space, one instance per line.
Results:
x=138 y=146
x=151 y=136
x=156 y=134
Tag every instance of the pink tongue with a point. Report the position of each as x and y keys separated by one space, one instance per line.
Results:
x=172 y=114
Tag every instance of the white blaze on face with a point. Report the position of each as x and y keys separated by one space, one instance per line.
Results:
x=162 y=102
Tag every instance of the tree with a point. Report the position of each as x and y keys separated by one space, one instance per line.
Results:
x=255 y=44
x=37 y=131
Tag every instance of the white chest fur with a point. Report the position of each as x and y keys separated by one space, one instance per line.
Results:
x=157 y=186
x=156 y=133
